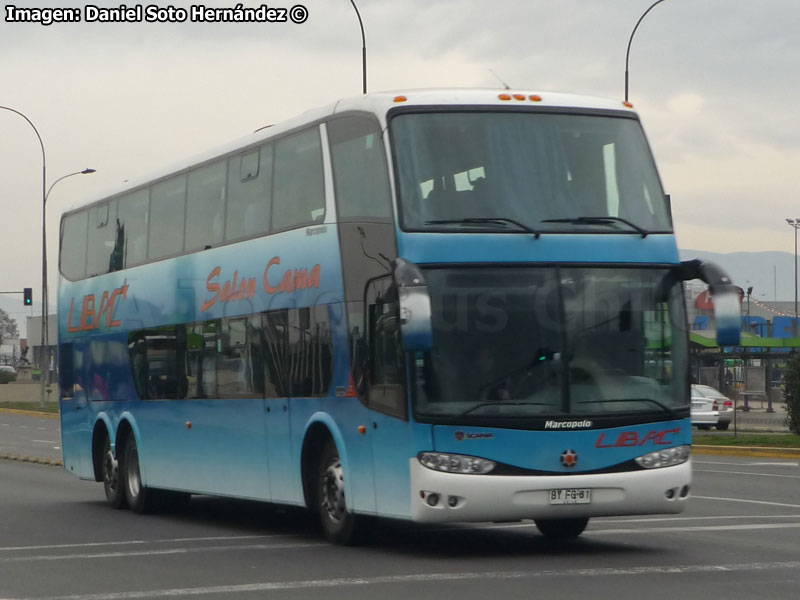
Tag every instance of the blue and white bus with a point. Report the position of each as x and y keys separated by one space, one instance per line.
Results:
x=440 y=306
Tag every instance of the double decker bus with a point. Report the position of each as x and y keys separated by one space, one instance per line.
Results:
x=439 y=306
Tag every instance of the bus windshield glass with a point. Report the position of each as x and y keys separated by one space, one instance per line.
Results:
x=549 y=342
x=517 y=171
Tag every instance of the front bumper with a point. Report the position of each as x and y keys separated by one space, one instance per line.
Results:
x=471 y=498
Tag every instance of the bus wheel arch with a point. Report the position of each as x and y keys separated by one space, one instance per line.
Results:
x=324 y=485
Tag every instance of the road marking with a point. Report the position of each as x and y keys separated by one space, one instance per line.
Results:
x=696 y=528
x=746 y=501
x=748 y=473
x=44 y=441
x=168 y=551
x=309 y=584
x=226 y=538
x=685 y=529
x=715 y=517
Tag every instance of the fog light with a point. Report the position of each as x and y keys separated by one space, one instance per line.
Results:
x=432 y=499
x=684 y=491
x=670 y=494
x=452 y=501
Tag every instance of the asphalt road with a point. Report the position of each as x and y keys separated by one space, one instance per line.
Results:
x=740 y=539
x=30 y=436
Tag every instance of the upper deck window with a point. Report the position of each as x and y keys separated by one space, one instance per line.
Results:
x=546 y=171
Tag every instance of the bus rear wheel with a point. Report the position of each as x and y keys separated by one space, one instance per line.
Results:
x=137 y=495
x=338 y=525
x=115 y=494
x=562 y=529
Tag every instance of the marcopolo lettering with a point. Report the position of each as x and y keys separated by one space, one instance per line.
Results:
x=568 y=424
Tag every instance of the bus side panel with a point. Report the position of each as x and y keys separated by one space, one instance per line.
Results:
x=210 y=446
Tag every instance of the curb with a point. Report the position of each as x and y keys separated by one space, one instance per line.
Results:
x=32 y=413
x=747 y=451
x=32 y=459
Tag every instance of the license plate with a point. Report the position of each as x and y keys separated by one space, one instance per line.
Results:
x=571 y=496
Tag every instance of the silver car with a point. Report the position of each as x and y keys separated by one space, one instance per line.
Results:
x=7 y=373
x=710 y=408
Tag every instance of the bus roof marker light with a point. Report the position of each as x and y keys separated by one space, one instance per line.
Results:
x=400 y=99
x=519 y=96
x=627 y=104
x=535 y=98
x=504 y=96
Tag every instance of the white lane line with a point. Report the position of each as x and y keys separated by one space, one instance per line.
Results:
x=44 y=441
x=684 y=529
x=746 y=501
x=226 y=538
x=708 y=518
x=249 y=547
x=747 y=464
x=427 y=578
x=747 y=473
x=696 y=528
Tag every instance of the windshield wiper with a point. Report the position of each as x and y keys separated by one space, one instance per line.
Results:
x=500 y=403
x=485 y=221
x=670 y=411
x=602 y=220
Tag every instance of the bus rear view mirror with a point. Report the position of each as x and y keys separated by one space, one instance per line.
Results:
x=415 y=306
x=727 y=314
x=725 y=298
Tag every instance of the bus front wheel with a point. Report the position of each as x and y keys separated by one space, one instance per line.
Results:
x=136 y=494
x=561 y=529
x=338 y=525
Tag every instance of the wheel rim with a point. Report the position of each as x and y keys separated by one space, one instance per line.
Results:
x=132 y=469
x=333 y=504
x=110 y=471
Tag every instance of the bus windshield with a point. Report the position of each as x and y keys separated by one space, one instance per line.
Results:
x=552 y=341
x=517 y=171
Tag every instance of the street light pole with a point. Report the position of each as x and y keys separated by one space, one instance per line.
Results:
x=45 y=351
x=42 y=398
x=795 y=223
x=363 y=49
x=628 y=53
x=45 y=307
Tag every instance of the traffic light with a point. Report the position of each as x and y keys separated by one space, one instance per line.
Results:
x=28 y=296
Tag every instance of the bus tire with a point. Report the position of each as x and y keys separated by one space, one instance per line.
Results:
x=338 y=525
x=562 y=529
x=112 y=484
x=137 y=495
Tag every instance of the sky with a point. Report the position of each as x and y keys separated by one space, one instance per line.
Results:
x=713 y=81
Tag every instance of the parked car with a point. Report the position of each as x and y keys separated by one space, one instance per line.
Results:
x=7 y=373
x=710 y=408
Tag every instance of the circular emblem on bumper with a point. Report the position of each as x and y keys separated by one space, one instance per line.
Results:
x=569 y=458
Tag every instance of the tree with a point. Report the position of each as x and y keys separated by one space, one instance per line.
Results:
x=8 y=326
x=791 y=380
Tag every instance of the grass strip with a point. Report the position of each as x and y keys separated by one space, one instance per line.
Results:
x=764 y=440
x=50 y=407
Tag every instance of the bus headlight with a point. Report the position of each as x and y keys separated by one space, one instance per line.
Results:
x=669 y=457
x=456 y=463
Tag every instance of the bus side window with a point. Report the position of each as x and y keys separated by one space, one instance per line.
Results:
x=298 y=186
x=360 y=174
x=74 y=232
x=249 y=194
x=66 y=376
